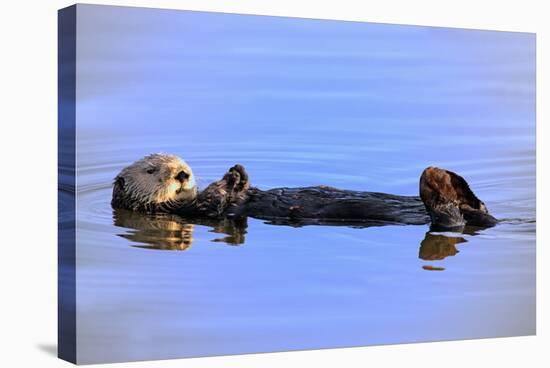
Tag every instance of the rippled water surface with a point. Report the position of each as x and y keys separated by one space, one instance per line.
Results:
x=299 y=103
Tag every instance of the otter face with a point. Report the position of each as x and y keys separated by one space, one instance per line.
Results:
x=156 y=181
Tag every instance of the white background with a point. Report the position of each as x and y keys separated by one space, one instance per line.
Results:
x=28 y=181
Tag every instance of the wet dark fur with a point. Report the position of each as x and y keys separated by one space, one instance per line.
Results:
x=445 y=199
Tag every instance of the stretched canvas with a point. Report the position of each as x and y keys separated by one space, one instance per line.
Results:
x=297 y=103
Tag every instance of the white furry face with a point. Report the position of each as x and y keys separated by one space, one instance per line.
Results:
x=159 y=179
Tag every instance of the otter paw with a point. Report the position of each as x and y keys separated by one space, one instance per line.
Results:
x=242 y=182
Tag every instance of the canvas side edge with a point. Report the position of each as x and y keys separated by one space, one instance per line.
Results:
x=66 y=284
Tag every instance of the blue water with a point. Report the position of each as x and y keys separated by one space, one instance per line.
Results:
x=298 y=103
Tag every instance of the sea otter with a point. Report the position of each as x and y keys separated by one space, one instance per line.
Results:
x=165 y=183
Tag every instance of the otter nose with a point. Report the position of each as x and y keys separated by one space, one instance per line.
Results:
x=182 y=176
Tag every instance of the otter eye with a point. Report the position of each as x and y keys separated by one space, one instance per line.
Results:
x=150 y=170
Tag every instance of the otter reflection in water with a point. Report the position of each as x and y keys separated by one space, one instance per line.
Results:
x=438 y=246
x=172 y=232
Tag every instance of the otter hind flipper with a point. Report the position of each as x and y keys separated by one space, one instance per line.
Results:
x=450 y=201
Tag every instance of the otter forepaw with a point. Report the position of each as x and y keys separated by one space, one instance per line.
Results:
x=237 y=178
x=243 y=182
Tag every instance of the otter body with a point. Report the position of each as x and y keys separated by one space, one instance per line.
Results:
x=327 y=204
x=164 y=183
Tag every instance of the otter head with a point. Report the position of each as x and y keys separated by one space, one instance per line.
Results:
x=158 y=182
